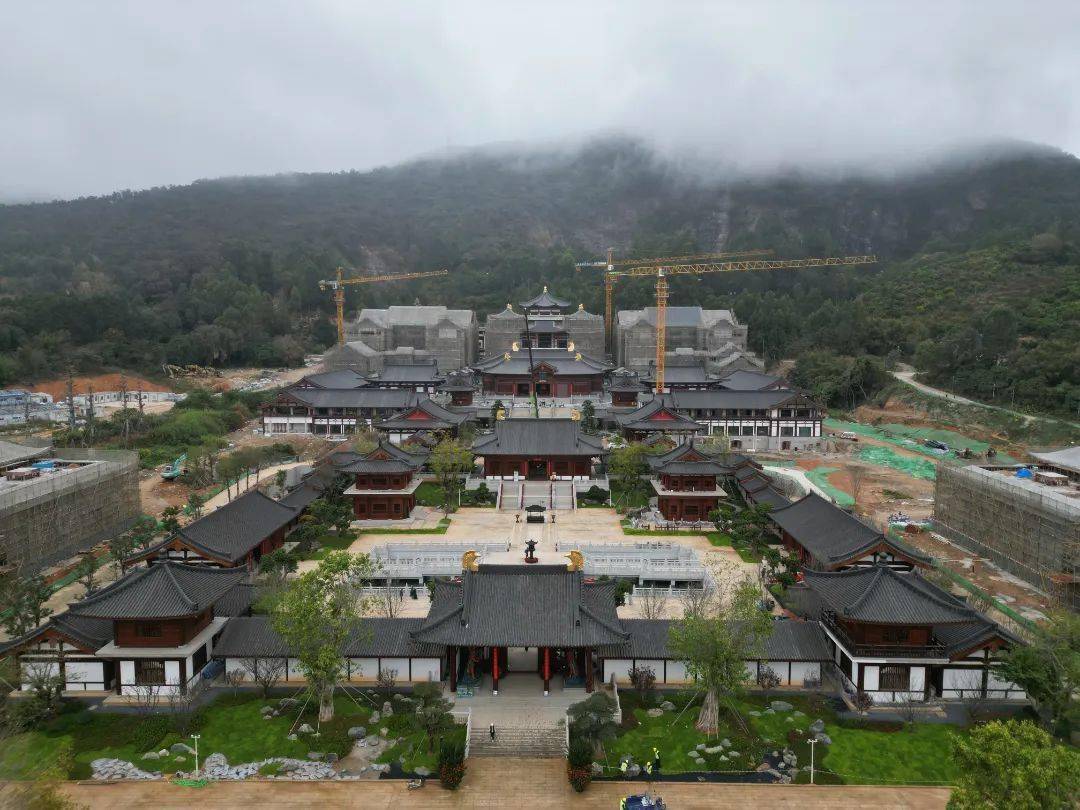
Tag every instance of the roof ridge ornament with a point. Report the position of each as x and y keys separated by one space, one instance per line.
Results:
x=577 y=561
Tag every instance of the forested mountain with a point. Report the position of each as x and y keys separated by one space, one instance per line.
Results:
x=979 y=280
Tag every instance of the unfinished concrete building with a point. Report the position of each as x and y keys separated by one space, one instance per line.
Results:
x=553 y=324
x=448 y=335
x=54 y=508
x=1026 y=523
x=714 y=336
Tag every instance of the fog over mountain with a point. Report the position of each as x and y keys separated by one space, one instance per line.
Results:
x=100 y=97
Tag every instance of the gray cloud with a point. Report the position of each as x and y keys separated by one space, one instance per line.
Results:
x=102 y=96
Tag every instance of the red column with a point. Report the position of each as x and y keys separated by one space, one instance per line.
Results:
x=588 y=670
x=494 y=670
x=547 y=669
x=453 y=669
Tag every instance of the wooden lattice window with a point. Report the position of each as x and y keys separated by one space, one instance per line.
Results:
x=895 y=678
x=150 y=671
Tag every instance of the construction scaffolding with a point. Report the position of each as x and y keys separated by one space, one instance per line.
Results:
x=1027 y=528
x=58 y=515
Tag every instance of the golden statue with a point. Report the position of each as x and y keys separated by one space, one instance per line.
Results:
x=470 y=561
x=577 y=561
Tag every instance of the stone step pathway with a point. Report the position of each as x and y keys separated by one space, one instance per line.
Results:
x=535 y=742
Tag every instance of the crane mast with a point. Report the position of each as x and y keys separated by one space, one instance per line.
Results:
x=662 y=273
x=338 y=286
x=610 y=276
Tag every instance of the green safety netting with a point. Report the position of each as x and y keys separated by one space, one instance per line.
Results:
x=912 y=438
x=820 y=478
x=915 y=467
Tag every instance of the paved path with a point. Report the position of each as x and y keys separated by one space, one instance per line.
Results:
x=500 y=782
x=907 y=375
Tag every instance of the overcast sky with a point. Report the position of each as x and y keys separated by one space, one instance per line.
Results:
x=98 y=96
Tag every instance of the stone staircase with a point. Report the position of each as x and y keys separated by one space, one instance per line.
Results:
x=563 y=495
x=536 y=493
x=533 y=742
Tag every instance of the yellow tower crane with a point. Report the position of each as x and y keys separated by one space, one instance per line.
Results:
x=696 y=269
x=610 y=276
x=338 y=286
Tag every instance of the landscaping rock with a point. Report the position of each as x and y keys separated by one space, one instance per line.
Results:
x=780 y=705
x=725 y=742
x=790 y=719
x=667 y=706
x=398 y=696
x=597 y=769
x=110 y=769
x=315 y=755
x=384 y=732
x=331 y=757
x=817 y=727
x=422 y=771
x=723 y=758
x=371 y=739
x=754 y=713
x=287 y=703
x=769 y=711
x=181 y=748
x=164 y=752
x=381 y=767
x=732 y=754
x=634 y=771
x=268 y=717
x=291 y=737
x=387 y=708
x=266 y=709
x=823 y=738
x=700 y=746
x=797 y=713
x=655 y=712
x=716 y=749
x=693 y=754
x=356 y=732
x=306 y=729
x=375 y=717
x=215 y=761
x=151 y=755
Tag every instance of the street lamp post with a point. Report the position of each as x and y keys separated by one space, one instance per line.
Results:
x=812 y=741
x=195 y=737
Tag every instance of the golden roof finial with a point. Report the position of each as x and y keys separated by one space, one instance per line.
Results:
x=577 y=561
x=470 y=561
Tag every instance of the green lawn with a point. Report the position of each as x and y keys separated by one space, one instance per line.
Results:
x=429 y=494
x=232 y=725
x=444 y=524
x=860 y=752
x=656 y=532
x=331 y=542
x=632 y=498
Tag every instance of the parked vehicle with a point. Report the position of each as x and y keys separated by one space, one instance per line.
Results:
x=936 y=445
x=850 y=436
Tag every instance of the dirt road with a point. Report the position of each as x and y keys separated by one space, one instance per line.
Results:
x=497 y=782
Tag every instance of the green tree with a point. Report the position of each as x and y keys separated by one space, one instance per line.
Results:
x=627 y=465
x=496 y=406
x=593 y=719
x=588 y=417
x=1013 y=765
x=1048 y=669
x=449 y=461
x=22 y=603
x=195 y=503
x=751 y=527
x=316 y=614
x=714 y=639
x=277 y=565
x=120 y=548
x=86 y=573
x=433 y=715
x=143 y=532
x=334 y=512
x=170 y=519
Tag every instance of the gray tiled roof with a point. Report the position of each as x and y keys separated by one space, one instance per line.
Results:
x=254 y=636
x=161 y=591
x=692 y=468
x=676 y=316
x=771 y=497
x=396 y=398
x=420 y=315
x=407 y=373
x=545 y=300
x=644 y=418
x=439 y=418
x=344 y=378
x=824 y=529
x=789 y=641
x=523 y=605
x=562 y=361
x=625 y=382
x=231 y=531
x=459 y=381
x=304 y=495
x=530 y=437
x=378 y=465
x=748 y=381
x=87 y=632
x=1067 y=458
x=881 y=595
x=686 y=375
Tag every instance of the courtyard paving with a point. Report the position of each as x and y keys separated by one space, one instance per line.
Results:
x=498 y=782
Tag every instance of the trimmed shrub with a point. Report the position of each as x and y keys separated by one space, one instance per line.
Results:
x=579 y=763
x=451 y=762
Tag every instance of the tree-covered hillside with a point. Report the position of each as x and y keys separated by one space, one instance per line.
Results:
x=225 y=271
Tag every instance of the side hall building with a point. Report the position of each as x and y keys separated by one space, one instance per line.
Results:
x=557 y=373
